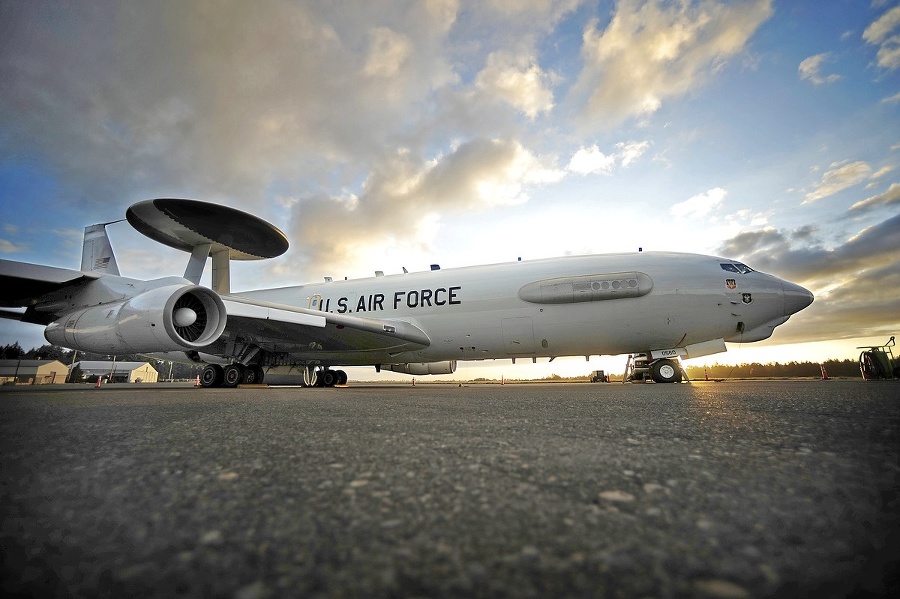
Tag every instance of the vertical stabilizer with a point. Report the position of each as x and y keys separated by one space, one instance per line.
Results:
x=97 y=254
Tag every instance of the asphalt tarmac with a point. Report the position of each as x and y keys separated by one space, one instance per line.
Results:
x=727 y=490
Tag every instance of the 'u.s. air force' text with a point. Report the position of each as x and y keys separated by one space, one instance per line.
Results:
x=420 y=298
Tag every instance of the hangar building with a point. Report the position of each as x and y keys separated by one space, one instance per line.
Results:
x=119 y=372
x=32 y=372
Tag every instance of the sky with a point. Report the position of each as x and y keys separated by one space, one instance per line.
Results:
x=383 y=135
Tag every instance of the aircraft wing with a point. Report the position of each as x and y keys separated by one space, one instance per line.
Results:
x=23 y=284
x=312 y=334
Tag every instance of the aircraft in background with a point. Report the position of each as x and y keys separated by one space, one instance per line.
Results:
x=665 y=306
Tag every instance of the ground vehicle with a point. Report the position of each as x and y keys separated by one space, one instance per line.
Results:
x=599 y=376
x=878 y=362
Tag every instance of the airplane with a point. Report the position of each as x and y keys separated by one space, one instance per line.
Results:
x=665 y=306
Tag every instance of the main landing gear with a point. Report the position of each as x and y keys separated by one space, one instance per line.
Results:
x=232 y=375
x=236 y=374
x=313 y=376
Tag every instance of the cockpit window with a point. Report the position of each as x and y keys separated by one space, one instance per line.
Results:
x=736 y=267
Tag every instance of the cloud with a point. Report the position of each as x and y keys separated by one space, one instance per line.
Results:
x=774 y=249
x=810 y=68
x=389 y=52
x=517 y=80
x=653 y=51
x=631 y=151
x=699 y=205
x=889 y=198
x=8 y=247
x=590 y=160
x=548 y=10
x=839 y=178
x=881 y=33
x=855 y=283
x=216 y=103
x=397 y=210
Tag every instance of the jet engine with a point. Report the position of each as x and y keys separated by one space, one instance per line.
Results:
x=170 y=318
x=423 y=368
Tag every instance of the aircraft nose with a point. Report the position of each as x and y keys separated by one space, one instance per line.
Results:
x=796 y=297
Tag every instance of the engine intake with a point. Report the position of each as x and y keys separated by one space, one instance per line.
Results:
x=170 y=318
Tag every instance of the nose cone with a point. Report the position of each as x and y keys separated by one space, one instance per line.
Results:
x=795 y=298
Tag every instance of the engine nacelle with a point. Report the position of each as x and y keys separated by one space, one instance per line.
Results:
x=170 y=318
x=423 y=368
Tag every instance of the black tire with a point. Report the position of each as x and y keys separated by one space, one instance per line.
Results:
x=253 y=375
x=665 y=371
x=329 y=378
x=870 y=367
x=233 y=375
x=342 y=377
x=212 y=376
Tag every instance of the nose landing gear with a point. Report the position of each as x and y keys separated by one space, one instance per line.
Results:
x=641 y=368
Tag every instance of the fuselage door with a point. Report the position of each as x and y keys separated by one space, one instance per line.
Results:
x=315 y=302
x=518 y=335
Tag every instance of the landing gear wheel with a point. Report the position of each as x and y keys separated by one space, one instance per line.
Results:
x=310 y=376
x=329 y=378
x=665 y=371
x=233 y=375
x=342 y=377
x=253 y=375
x=870 y=367
x=212 y=376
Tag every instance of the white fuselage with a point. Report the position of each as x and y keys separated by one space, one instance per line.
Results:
x=478 y=312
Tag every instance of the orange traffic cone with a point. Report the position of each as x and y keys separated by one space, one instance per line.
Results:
x=97 y=386
x=197 y=381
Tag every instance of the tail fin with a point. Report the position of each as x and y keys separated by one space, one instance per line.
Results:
x=97 y=254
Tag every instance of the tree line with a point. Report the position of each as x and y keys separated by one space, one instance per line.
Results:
x=834 y=368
